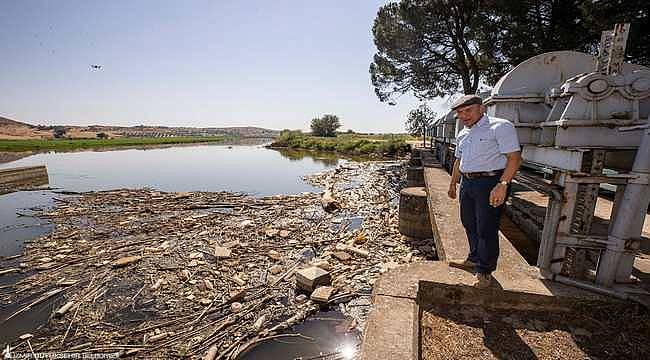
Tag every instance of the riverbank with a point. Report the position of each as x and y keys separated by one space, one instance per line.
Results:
x=349 y=144
x=72 y=144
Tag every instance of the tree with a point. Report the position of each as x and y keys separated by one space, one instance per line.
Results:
x=524 y=29
x=602 y=15
x=102 y=135
x=434 y=48
x=325 y=126
x=59 y=132
x=419 y=120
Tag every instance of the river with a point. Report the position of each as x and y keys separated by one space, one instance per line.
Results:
x=250 y=168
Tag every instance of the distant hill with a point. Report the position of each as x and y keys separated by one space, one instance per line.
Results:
x=16 y=130
x=12 y=129
x=8 y=122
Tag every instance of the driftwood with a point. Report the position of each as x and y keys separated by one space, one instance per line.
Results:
x=64 y=309
x=327 y=200
x=212 y=353
x=9 y=271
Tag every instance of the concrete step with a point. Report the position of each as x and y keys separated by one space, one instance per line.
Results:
x=393 y=327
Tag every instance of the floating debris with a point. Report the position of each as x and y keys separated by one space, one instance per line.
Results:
x=162 y=275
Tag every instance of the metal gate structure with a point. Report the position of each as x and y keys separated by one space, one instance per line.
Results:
x=585 y=120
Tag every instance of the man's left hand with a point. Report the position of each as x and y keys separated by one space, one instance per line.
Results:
x=498 y=195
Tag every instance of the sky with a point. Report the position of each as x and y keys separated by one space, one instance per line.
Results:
x=274 y=64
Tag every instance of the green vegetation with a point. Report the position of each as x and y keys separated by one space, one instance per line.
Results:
x=65 y=144
x=325 y=126
x=355 y=144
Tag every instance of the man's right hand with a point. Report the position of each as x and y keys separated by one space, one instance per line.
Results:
x=452 y=191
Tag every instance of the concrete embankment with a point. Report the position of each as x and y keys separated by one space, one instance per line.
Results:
x=23 y=176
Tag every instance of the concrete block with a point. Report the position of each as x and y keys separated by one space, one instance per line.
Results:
x=310 y=278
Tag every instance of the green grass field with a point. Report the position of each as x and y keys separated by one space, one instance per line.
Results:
x=66 y=144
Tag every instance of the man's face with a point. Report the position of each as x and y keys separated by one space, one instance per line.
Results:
x=470 y=114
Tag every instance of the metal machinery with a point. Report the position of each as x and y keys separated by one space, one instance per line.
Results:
x=586 y=119
x=443 y=136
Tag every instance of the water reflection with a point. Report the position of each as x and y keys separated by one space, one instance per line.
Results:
x=206 y=167
x=16 y=224
x=326 y=159
x=326 y=333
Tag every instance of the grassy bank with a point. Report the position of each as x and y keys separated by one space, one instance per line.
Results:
x=354 y=144
x=66 y=144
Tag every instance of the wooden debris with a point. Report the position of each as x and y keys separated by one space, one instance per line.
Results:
x=64 y=309
x=25 y=336
x=182 y=292
x=236 y=296
x=222 y=252
x=121 y=262
x=212 y=353
x=275 y=255
x=271 y=232
x=342 y=256
x=322 y=294
x=157 y=337
x=352 y=249
x=157 y=285
x=8 y=271
x=257 y=326
x=239 y=281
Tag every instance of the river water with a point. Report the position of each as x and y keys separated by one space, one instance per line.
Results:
x=251 y=169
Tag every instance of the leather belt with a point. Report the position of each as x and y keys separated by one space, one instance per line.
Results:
x=479 y=174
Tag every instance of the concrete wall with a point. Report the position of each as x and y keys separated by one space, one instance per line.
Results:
x=23 y=176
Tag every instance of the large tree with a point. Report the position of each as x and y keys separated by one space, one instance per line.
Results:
x=325 y=126
x=434 y=48
x=431 y=47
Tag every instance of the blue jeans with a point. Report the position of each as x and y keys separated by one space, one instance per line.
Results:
x=481 y=221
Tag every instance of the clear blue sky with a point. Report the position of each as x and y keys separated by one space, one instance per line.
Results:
x=275 y=64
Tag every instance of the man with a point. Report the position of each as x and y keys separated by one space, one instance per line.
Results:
x=487 y=158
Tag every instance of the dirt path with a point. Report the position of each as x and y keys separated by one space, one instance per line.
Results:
x=617 y=331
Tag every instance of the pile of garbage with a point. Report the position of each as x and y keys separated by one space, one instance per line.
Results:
x=209 y=274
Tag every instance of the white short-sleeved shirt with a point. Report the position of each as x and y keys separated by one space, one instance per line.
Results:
x=483 y=146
